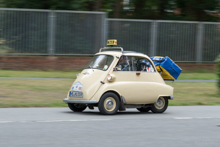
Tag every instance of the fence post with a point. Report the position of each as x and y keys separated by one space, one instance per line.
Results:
x=105 y=29
x=51 y=33
x=199 y=42
x=153 y=36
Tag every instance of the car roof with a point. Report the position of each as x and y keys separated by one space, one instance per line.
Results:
x=132 y=52
x=120 y=53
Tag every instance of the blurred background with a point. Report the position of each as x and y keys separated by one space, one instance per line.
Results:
x=56 y=39
x=184 y=30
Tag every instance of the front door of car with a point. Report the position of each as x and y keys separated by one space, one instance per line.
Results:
x=135 y=80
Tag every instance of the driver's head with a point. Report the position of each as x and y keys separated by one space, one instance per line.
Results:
x=122 y=59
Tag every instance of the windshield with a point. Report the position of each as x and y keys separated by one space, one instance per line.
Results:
x=101 y=62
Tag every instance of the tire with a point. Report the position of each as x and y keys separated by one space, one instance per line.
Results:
x=77 y=107
x=160 y=106
x=144 y=109
x=109 y=104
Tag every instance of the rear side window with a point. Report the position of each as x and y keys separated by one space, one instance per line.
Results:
x=134 y=63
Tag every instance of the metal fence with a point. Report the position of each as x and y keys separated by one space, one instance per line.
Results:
x=183 y=41
x=48 y=32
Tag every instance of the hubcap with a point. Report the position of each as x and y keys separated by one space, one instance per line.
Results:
x=109 y=104
x=160 y=103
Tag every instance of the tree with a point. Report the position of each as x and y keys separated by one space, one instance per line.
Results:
x=196 y=10
x=150 y=9
x=117 y=8
x=98 y=5
x=83 y=5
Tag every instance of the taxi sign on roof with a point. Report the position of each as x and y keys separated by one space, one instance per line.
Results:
x=112 y=42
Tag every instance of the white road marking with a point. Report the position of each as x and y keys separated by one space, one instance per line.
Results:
x=183 y=117
x=195 y=117
x=204 y=117
x=84 y=120
x=73 y=120
x=50 y=121
x=6 y=121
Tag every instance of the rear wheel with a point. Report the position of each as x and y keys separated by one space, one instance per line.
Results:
x=77 y=107
x=160 y=106
x=109 y=103
x=144 y=109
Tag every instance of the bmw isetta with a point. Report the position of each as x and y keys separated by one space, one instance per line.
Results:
x=115 y=79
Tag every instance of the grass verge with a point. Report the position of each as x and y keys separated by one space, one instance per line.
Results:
x=72 y=74
x=50 y=93
x=39 y=74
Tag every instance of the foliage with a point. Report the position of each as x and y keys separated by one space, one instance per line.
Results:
x=197 y=9
x=138 y=9
x=218 y=73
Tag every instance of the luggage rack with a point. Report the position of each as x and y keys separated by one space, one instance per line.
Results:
x=170 y=81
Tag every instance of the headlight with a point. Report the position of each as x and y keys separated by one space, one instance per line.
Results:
x=110 y=77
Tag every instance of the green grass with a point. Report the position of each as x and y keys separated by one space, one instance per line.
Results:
x=72 y=74
x=33 y=93
x=50 y=93
x=39 y=74
x=198 y=76
x=195 y=94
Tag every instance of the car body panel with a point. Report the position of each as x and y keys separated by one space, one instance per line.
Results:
x=135 y=92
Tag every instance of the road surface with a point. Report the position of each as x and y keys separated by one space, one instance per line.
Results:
x=179 y=126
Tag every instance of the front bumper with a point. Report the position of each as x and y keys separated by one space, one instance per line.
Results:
x=66 y=100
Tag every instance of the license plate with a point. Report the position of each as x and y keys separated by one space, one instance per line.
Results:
x=75 y=94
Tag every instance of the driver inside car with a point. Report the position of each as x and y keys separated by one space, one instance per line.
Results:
x=123 y=64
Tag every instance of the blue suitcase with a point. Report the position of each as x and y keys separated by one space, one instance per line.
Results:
x=168 y=69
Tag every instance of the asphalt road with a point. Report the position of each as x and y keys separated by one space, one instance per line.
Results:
x=179 y=126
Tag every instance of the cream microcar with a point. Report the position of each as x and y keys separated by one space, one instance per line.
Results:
x=114 y=80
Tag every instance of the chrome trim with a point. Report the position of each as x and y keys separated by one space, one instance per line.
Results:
x=171 y=97
x=66 y=100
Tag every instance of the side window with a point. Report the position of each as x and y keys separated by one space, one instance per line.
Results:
x=142 y=64
x=134 y=63
x=124 y=64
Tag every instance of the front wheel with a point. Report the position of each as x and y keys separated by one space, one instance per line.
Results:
x=109 y=103
x=160 y=106
x=77 y=107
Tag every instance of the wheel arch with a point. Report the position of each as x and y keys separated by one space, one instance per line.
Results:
x=113 y=91
x=165 y=96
